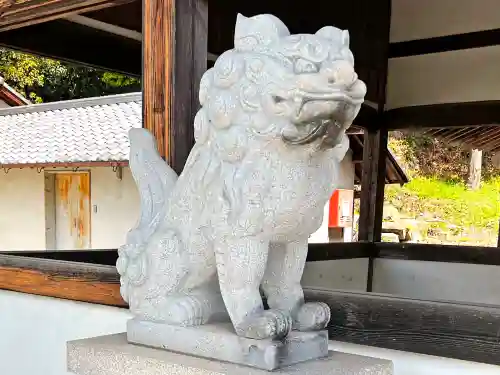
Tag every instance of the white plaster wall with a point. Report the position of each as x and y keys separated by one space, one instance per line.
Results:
x=34 y=331
x=346 y=177
x=437 y=281
x=22 y=210
x=418 y=19
x=341 y=274
x=114 y=208
x=457 y=76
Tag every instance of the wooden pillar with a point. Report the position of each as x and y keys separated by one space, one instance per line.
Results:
x=372 y=185
x=174 y=59
x=375 y=146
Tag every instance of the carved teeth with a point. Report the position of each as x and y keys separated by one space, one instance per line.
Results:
x=315 y=134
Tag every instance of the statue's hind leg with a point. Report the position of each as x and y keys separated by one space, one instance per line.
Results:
x=199 y=306
x=282 y=288
x=198 y=300
x=182 y=288
x=241 y=263
x=186 y=307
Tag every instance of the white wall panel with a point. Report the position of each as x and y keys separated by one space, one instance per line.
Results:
x=458 y=76
x=419 y=19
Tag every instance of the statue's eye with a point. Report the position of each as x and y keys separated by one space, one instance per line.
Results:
x=278 y=99
x=305 y=66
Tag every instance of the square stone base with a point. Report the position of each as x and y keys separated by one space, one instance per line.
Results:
x=113 y=355
x=220 y=342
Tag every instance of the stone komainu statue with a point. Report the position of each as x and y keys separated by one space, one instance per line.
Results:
x=270 y=137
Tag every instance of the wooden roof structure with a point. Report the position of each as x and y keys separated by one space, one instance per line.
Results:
x=486 y=138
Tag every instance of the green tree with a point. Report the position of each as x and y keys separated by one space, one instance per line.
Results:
x=46 y=80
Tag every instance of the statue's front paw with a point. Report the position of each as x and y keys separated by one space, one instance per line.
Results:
x=273 y=324
x=312 y=316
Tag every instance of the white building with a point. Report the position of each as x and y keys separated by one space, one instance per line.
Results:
x=65 y=181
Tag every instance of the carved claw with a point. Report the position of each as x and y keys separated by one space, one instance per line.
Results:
x=273 y=324
x=312 y=316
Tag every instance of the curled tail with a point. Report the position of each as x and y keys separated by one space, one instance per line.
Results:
x=155 y=182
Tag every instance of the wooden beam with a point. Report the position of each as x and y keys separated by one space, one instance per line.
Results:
x=375 y=152
x=337 y=250
x=366 y=116
x=439 y=253
x=476 y=39
x=489 y=140
x=174 y=59
x=78 y=44
x=90 y=275
x=107 y=257
x=69 y=280
x=372 y=192
x=498 y=237
x=20 y=13
x=107 y=27
x=444 y=115
x=372 y=185
x=317 y=252
x=452 y=330
x=375 y=149
x=128 y=16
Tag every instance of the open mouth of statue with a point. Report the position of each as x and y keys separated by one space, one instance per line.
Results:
x=328 y=130
x=321 y=116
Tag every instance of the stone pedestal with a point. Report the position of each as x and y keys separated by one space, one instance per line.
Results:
x=113 y=355
x=220 y=342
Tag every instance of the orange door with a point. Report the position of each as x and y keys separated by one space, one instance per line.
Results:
x=72 y=211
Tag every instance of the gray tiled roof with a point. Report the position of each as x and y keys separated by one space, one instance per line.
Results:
x=84 y=130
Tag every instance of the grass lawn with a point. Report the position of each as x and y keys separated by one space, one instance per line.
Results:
x=449 y=201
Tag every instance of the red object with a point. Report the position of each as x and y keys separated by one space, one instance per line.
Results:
x=341 y=208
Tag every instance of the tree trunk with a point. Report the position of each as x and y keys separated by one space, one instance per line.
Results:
x=476 y=159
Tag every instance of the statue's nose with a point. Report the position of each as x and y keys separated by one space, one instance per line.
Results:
x=339 y=73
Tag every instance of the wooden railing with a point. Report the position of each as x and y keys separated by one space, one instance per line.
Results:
x=455 y=330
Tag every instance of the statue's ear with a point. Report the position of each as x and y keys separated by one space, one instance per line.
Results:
x=261 y=30
x=335 y=35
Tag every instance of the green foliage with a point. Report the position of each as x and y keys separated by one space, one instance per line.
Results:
x=450 y=201
x=427 y=156
x=437 y=198
x=45 y=80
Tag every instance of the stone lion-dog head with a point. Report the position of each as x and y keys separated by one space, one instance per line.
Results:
x=294 y=89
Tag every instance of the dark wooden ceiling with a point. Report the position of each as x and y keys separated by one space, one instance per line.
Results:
x=128 y=16
x=366 y=20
